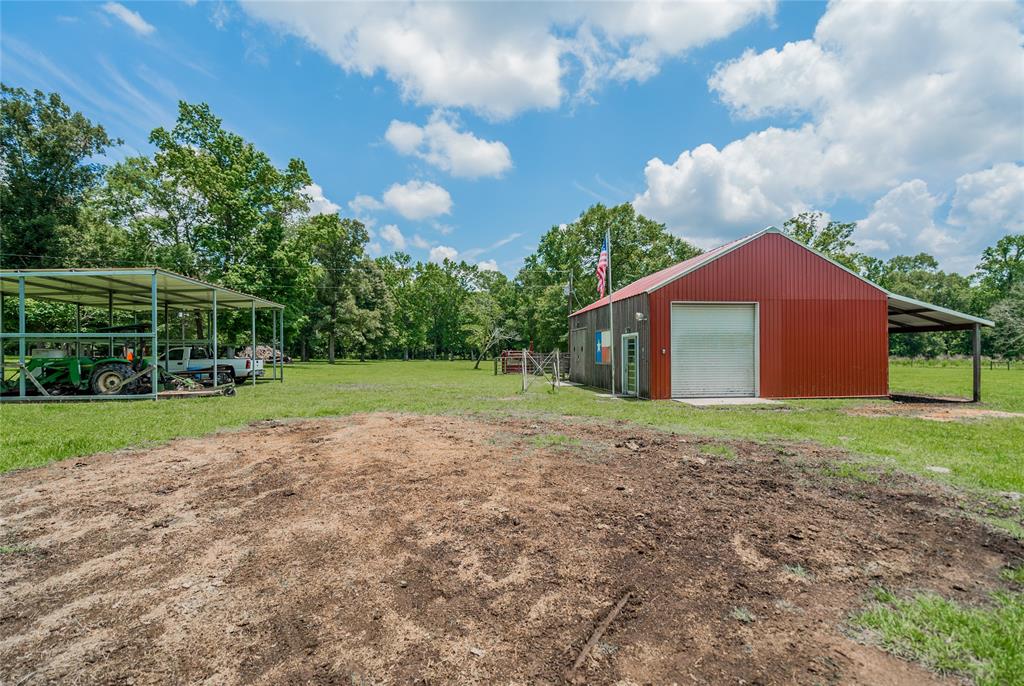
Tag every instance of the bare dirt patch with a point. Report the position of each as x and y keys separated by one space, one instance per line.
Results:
x=936 y=412
x=397 y=549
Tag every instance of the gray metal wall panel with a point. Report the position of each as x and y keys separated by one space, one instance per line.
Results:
x=599 y=376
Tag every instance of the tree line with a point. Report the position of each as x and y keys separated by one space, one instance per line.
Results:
x=209 y=204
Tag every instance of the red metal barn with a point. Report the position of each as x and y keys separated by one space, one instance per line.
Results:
x=761 y=316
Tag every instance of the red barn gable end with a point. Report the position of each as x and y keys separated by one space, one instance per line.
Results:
x=822 y=331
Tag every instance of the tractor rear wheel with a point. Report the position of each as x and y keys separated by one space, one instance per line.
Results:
x=109 y=379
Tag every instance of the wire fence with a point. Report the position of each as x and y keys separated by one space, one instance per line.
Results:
x=532 y=366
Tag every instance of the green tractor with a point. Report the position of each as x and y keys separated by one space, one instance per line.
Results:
x=81 y=375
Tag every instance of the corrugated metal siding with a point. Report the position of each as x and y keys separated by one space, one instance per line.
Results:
x=599 y=376
x=823 y=332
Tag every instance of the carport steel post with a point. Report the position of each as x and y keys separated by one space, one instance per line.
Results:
x=213 y=333
x=154 y=374
x=252 y=350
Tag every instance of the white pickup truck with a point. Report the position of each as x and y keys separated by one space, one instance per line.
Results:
x=195 y=361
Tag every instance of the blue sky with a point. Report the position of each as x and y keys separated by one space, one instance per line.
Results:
x=716 y=119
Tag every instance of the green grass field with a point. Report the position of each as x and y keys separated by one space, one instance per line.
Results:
x=984 y=454
x=1001 y=388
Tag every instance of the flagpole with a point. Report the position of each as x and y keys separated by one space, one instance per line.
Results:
x=611 y=309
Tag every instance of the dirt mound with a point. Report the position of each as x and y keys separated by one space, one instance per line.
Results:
x=936 y=412
x=397 y=549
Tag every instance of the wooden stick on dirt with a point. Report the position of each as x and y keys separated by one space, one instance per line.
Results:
x=596 y=636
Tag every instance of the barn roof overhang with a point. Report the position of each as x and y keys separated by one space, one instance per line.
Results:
x=126 y=289
x=909 y=315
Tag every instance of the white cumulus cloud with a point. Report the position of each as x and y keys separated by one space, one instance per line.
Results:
x=393 y=235
x=992 y=199
x=502 y=58
x=362 y=204
x=908 y=218
x=318 y=203
x=131 y=18
x=440 y=143
x=752 y=85
x=440 y=253
x=418 y=199
x=900 y=217
x=886 y=95
x=488 y=265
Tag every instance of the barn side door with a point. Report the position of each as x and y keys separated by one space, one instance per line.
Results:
x=577 y=354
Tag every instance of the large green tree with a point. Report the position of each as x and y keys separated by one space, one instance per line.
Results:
x=439 y=292
x=1007 y=338
x=408 y=323
x=209 y=204
x=918 y=276
x=236 y=202
x=366 y=312
x=567 y=252
x=1001 y=268
x=831 y=238
x=48 y=164
x=337 y=249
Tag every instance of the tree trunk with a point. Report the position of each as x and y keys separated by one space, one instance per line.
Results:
x=305 y=353
x=199 y=325
x=330 y=348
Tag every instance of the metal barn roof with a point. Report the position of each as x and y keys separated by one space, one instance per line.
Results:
x=906 y=315
x=126 y=289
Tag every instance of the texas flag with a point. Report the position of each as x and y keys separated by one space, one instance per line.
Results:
x=602 y=268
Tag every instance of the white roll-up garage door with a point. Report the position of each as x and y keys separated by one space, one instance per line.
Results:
x=713 y=352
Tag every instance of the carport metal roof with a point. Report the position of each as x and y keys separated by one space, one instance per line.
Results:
x=126 y=289
x=907 y=315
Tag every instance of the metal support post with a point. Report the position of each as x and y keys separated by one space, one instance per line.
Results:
x=154 y=337
x=273 y=344
x=977 y=361
x=167 y=332
x=110 y=321
x=252 y=350
x=78 y=329
x=21 y=336
x=282 y=345
x=213 y=334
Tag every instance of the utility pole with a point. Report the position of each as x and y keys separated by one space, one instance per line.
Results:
x=569 y=293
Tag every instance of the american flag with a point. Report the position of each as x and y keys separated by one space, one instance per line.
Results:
x=602 y=268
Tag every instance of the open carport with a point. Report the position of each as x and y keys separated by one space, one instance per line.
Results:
x=908 y=315
x=161 y=296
